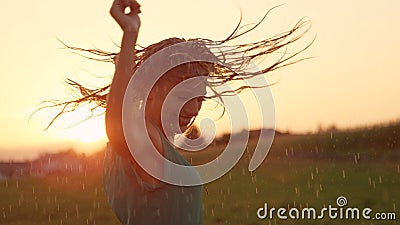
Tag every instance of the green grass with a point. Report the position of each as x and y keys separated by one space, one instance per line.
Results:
x=55 y=199
x=294 y=174
x=233 y=199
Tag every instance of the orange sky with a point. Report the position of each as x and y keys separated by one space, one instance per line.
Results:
x=352 y=79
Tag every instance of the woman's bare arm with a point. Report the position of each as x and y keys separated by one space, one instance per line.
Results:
x=130 y=24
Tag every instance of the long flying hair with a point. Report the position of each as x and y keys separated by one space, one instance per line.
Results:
x=219 y=74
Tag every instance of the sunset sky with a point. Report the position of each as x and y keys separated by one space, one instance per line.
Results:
x=352 y=80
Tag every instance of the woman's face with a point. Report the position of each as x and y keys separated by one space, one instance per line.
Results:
x=176 y=99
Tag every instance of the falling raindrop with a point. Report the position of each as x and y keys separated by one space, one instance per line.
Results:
x=380 y=179
x=312 y=176
x=343 y=174
x=140 y=104
x=369 y=181
x=77 y=210
x=253 y=179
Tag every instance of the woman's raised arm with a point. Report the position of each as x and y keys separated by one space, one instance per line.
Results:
x=130 y=24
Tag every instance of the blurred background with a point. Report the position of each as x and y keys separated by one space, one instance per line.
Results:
x=336 y=113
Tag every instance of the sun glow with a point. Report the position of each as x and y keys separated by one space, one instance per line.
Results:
x=90 y=131
x=76 y=127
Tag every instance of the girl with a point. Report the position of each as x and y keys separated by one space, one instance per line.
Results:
x=135 y=196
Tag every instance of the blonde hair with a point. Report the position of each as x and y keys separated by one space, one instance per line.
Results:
x=219 y=73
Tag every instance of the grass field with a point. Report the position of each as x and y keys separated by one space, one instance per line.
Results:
x=300 y=171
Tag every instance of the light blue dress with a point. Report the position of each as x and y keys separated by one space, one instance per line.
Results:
x=136 y=202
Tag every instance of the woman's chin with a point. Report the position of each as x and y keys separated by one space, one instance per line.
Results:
x=183 y=127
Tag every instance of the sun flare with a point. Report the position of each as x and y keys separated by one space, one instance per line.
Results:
x=87 y=132
x=90 y=132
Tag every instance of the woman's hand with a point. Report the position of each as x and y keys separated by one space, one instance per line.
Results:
x=129 y=22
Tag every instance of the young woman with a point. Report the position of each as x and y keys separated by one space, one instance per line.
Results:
x=135 y=196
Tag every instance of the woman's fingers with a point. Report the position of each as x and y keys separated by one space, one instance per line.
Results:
x=119 y=7
x=127 y=21
x=134 y=6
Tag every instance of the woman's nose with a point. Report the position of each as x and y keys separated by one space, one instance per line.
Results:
x=191 y=108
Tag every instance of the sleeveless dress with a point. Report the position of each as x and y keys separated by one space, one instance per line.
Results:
x=136 y=202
